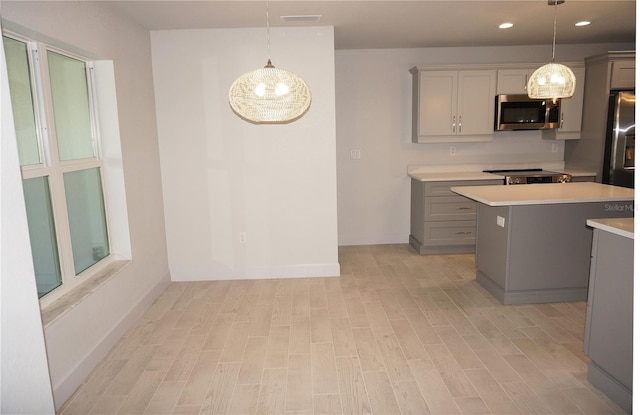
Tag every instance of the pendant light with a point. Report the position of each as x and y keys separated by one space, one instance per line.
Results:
x=269 y=95
x=553 y=80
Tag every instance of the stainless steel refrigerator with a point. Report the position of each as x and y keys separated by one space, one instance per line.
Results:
x=619 y=151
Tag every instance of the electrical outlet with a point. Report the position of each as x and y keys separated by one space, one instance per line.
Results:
x=355 y=154
x=554 y=147
x=242 y=237
x=500 y=221
x=452 y=150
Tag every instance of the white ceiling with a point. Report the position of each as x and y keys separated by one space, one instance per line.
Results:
x=406 y=24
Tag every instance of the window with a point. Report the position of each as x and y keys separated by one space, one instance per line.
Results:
x=54 y=111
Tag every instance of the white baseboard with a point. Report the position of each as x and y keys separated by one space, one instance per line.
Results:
x=66 y=386
x=390 y=239
x=257 y=273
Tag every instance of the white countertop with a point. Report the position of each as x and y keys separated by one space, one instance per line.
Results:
x=618 y=226
x=544 y=194
x=454 y=176
x=475 y=172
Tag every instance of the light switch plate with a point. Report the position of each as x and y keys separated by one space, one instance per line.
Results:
x=500 y=221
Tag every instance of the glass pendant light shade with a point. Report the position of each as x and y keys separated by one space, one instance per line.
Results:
x=269 y=95
x=552 y=81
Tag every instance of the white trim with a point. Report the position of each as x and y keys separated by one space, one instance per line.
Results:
x=387 y=239
x=275 y=272
x=54 y=169
x=70 y=381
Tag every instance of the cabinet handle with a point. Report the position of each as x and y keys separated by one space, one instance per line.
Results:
x=460 y=124
x=463 y=233
x=454 y=124
x=561 y=120
x=526 y=81
x=464 y=208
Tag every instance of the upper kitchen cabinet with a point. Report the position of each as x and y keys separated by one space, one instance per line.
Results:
x=513 y=81
x=453 y=105
x=623 y=72
x=570 y=111
x=604 y=75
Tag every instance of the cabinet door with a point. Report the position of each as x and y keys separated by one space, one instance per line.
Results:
x=623 y=74
x=438 y=92
x=571 y=112
x=571 y=108
x=476 y=102
x=513 y=81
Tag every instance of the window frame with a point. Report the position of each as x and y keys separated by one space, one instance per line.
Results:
x=52 y=167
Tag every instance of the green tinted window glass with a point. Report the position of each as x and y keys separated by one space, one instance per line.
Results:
x=22 y=101
x=70 y=94
x=42 y=234
x=87 y=221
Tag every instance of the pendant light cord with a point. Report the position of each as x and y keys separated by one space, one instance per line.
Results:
x=269 y=64
x=555 y=18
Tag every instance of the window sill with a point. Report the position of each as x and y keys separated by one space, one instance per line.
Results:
x=59 y=307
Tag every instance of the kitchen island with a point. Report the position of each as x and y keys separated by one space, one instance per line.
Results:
x=608 y=335
x=532 y=242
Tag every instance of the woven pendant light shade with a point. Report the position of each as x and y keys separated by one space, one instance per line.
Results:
x=552 y=81
x=269 y=95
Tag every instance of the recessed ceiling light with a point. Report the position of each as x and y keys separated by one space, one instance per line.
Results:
x=505 y=25
x=583 y=23
x=302 y=18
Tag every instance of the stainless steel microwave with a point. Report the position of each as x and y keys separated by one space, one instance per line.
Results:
x=519 y=112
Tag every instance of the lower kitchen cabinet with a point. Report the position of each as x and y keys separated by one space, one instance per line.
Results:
x=608 y=337
x=443 y=222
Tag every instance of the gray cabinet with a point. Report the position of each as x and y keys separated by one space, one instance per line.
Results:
x=603 y=73
x=609 y=328
x=443 y=222
x=623 y=73
x=452 y=105
x=514 y=80
x=570 y=111
x=539 y=253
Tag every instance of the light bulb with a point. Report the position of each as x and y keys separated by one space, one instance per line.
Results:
x=281 y=89
x=557 y=79
x=261 y=89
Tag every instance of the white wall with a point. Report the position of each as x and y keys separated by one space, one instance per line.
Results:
x=222 y=176
x=373 y=115
x=24 y=375
x=79 y=340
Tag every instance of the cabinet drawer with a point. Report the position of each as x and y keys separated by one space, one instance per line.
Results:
x=449 y=208
x=462 y=232
x=444 y=188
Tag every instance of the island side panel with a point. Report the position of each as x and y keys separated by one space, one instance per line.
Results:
x=492 y=248
x=551 y=246
x=543 y=252
x=609 y=329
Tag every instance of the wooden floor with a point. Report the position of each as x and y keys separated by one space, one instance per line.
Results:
x=397 y=333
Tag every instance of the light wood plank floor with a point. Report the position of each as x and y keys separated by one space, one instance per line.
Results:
x=397 y=333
